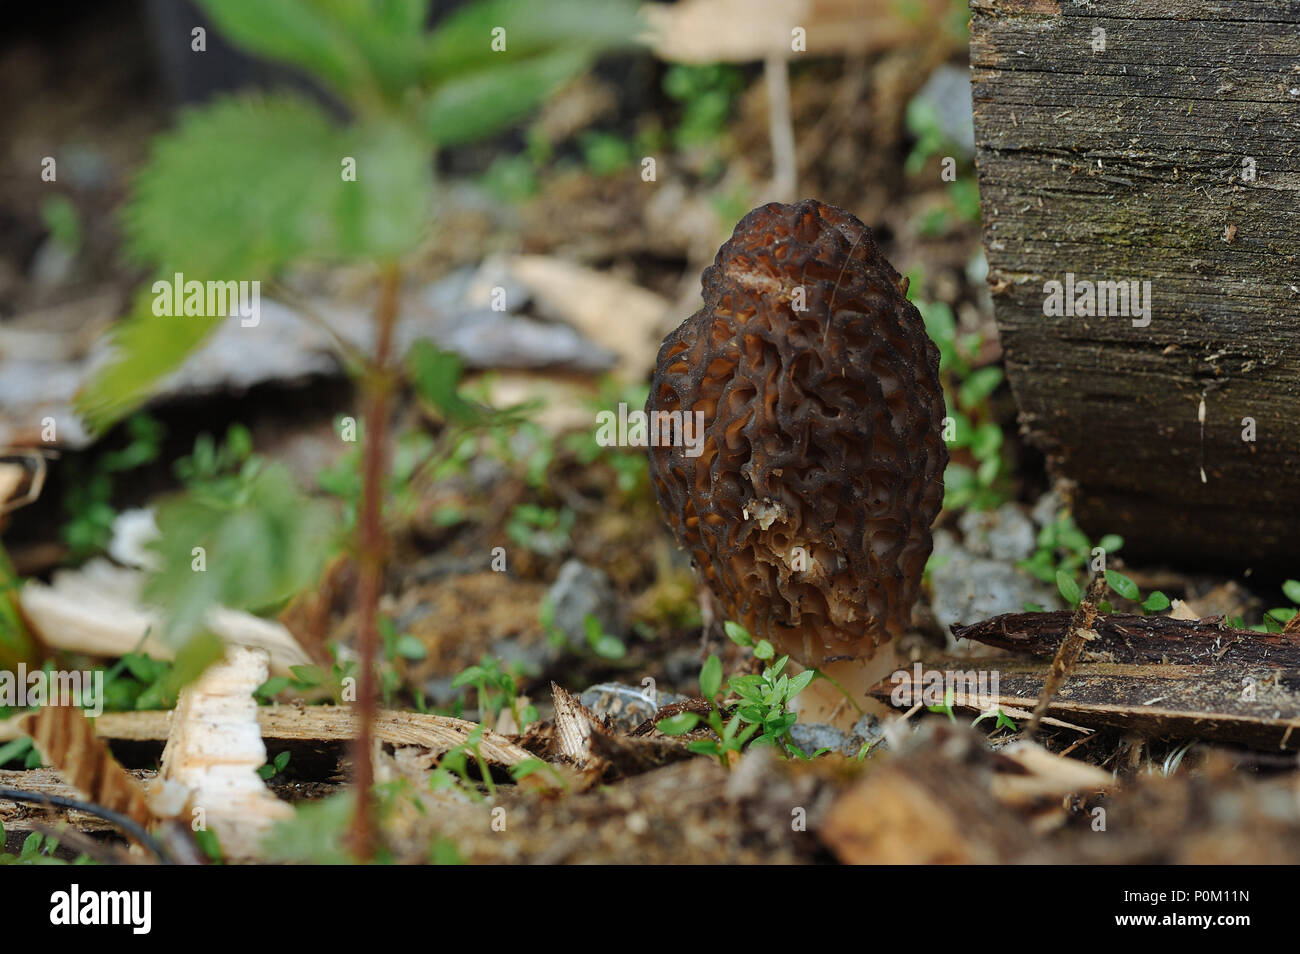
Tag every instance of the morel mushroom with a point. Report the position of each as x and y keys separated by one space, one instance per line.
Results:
x=806 y=505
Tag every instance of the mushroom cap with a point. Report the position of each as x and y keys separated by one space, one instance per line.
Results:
x=807 y=509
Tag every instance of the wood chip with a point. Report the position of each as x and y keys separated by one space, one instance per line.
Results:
x=66 y=739
x=214 y=749
x=95 y=609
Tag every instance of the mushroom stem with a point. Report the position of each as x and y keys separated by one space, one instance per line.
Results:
x=824 y=702
x=785 y=169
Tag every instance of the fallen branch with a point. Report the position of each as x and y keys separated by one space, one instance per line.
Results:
x=1252 y=705
x=1139 y=639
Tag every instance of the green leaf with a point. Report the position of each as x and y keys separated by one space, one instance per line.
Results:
x=1155 y=602
x=703 y=747
x=435 y=375
x=472 y=107
x=296 y=32
x=314 y=835
x=1069 y=587
x=61 y=219
x=462 y=44
x=764 y=650
x=679 y=724
x=1292 y=590
x=1029 y=607
x=711 y=677
x=199 y=652
x=1122 y=585
x=1111 y=543
x=206 y=839
x=14 y=749
x=609 y=647
x=978 y=386
x=410 y=647
x=238 y=189
x=799 y=683
x=738 y=634
x=273 y=687
x=146 y=349
x=307 y=677
x=255 y=555
x=247 y=185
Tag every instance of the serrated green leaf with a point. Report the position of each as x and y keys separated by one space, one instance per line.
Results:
x=247 y=185
x=1122 y=585
x=146 y=348
x=255 y=555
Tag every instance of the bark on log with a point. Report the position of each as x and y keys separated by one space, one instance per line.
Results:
x=1171 y=155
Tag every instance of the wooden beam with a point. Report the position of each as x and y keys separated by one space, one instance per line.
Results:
x=1152 y=141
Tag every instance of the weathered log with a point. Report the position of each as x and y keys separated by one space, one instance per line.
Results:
x=1138 y=639
x=1151 y=141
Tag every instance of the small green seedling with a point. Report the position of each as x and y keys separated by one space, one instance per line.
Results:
x=275 y=766
x=761 y=711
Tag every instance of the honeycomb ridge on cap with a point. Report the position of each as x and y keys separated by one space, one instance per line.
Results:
x=822 y=413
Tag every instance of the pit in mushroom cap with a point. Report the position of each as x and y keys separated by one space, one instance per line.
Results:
x=808 y=509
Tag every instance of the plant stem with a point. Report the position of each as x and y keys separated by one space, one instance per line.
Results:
x=376 y=387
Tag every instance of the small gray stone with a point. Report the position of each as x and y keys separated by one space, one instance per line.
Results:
x=1047 y=508
x=54 y=264
x=948 y=92
x=1003 y=534
x=969 y=588
x=866 y=731
x=812 y=736
x=578 y=592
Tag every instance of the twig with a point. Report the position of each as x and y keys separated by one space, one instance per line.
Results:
x=377 y=387
x=121 y=821
x=1080 y=632
x=348 y=350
